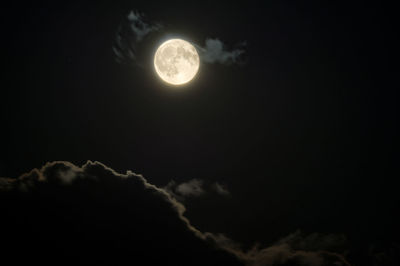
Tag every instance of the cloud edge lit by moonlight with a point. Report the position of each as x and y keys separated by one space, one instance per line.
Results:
x=62 y=173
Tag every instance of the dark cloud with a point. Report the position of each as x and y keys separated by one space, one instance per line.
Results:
x=384 y=256
x=220 y=189
x=315 y=241
x=134 y=29
x=284 y=255
x=139 y=27
x=131 y=33
x=63 y=213
x=297 y=249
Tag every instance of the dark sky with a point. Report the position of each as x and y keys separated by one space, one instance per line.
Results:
x=303 y=134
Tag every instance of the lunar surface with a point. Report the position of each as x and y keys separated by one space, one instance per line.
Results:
x=176 y=61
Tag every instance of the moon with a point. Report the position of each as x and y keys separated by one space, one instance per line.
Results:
x=176 y=61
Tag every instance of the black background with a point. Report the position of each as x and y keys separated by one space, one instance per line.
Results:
x=303 y=135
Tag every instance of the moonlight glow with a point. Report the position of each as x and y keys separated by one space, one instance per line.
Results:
x=176 y=61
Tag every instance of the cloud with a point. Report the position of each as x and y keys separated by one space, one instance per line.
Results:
x=215 y=51
x=131 y=32
x=139 y=27
x=296 y=249
x=220 y=189
x=387 y=255
x=134 y=30
x=191 y=188
x=283 y=254
x=315 y=241
x=194 y=188
x=63 y=213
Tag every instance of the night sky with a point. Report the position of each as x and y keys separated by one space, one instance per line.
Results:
x=291 y=144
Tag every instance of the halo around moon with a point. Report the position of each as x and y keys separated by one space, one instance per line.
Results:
x=176 y=61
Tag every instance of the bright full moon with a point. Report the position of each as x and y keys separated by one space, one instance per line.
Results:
x=176 y=61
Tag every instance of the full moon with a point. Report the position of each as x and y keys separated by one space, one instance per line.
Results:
x=176 y=61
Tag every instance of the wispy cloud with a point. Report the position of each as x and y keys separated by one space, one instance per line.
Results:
x=194 y=188
x=135 y=28
x=131 y=32
x=295 y=249
x=220 y=189
x=215 y=51
x=139 y=27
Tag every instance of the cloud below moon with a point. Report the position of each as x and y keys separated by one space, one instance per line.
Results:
x=94 y=214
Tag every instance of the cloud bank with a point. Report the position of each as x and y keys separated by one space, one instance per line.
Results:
x=63 y=213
